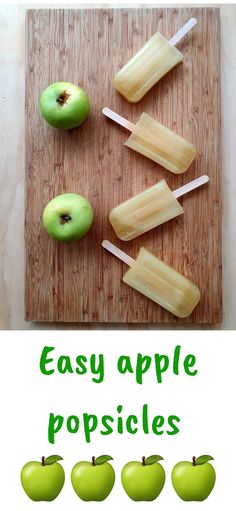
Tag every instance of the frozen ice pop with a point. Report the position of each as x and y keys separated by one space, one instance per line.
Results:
x=158 y=281
x=157 y=57
x=155 y=141
x=150 y=208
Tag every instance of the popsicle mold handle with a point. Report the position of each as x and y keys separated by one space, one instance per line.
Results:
x=117 y=118
x=191 y=186
x=117 y=252
x=182 y=32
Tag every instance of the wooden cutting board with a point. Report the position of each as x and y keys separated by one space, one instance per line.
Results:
x=80 y=282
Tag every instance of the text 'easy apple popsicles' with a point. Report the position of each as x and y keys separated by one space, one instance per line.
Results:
x=158 y=281
x=150 y=208
x=157 y=57
x=155 y=141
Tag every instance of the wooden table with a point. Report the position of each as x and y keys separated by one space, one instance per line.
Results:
x=12 y=170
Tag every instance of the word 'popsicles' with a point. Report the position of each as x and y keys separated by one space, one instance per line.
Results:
x=158 y=281
x=155 y=141
x=157 y=57
x=150 y=208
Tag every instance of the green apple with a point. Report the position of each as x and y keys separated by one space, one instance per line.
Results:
x=68 y=217
x=143 y=480
x=93 y=480
x=43 y=480
x=64 y=105
x=194 y=480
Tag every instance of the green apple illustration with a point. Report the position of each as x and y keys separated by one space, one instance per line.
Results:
x=143 y=480
x=64 y=105
x=194 y=480
x=93 y=480
x=68 y=217
x=43 y=480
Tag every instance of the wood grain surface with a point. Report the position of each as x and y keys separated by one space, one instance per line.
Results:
x=80 y=282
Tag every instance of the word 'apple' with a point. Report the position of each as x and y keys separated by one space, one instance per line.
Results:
x=143 y=480
x=93 y=480
x=43 y=480
x=68 y=217
x=64 y=105
x=194 y=481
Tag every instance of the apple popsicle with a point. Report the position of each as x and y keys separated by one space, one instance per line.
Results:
x=158 y=281
x=150 y=208
x=157 y=57
x=155 y=141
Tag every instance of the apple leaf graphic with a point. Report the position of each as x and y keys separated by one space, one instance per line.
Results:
x=203 y=459
x=52 y=459
x=102 y=459
x=152 y=459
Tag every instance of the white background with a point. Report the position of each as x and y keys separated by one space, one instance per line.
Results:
x=205 y=403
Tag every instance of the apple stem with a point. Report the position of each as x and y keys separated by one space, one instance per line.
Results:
x=93 y=461
x=43 y=459
x=65 y=219
x=194 y=459
x=63 y=98
x=143 y=460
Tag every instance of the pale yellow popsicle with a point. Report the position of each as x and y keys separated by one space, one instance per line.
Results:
x=156 y=58
x=146 y=68
x=161 y=145
x=162 y=284
x=158 y=281
x=155 y=141
x=150 y=208
x=145 y=211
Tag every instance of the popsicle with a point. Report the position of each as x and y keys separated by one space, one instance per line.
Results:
x=158 y=281
x=155 y=141
x=157 y=57
x=150 y=208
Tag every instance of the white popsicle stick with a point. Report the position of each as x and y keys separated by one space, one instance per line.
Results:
x=117 y=118
x=190 y=186
x=117 y=252
x=182 y=32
